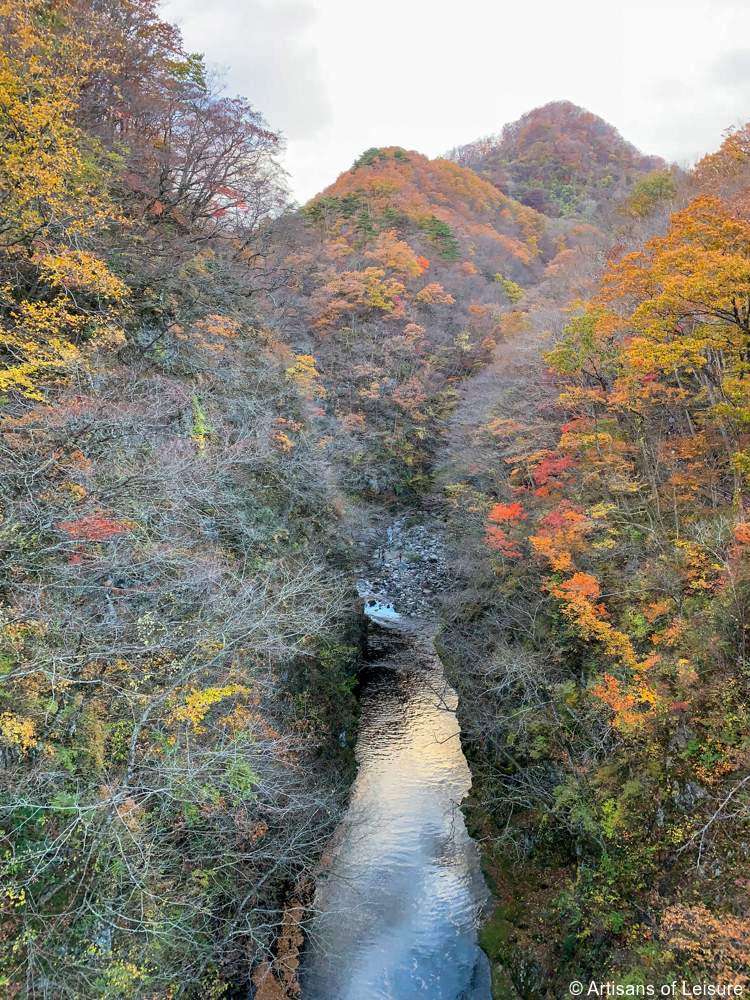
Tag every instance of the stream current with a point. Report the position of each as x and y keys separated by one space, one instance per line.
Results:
x=398 y=907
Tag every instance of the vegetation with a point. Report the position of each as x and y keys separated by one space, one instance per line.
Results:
x=178 y=643
x=208 y=398
x=561 y=160
x=600 y=650
x=393 y=291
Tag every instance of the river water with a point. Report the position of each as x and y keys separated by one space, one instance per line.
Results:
x=399 y=904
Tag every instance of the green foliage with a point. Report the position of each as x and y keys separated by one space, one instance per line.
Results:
x=369 y=157
x=649 y=193
x=364 y=228
x=200 y=427
x=373 y=156
x=441 y=236
x=192 y=68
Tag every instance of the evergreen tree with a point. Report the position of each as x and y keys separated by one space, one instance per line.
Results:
x=364 y=229
x=442 y=237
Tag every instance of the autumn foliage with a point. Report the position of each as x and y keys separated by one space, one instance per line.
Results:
x=604 y=681
x=177 y=653
x=207 y=398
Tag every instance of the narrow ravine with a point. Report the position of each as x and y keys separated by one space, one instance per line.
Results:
x=399 y=905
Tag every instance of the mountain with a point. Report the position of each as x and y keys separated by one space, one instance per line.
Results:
x=559 y=159
x=440 y=203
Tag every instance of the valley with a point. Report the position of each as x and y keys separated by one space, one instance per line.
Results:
x=375 y=584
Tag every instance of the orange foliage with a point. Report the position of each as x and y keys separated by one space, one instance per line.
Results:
x=561 y=536
x=434 y=294
x=624 y=701
x=393 y=253
x=496 y=537
x=417 y=186
x=715 y=943
x=411 y=395
x=352 y=291
x=578 y=595
x=513 y=513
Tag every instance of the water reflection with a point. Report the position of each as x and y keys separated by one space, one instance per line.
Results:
x=399 y=906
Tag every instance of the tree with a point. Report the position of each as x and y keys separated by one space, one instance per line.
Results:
x=442 y=237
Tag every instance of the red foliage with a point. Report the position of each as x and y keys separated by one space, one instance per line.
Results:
x=556 y=519
x=552 y=468
x=512 y=513
x=93 y=529
x=498 y=541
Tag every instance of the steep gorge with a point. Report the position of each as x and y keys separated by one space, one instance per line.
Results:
x=504 y=389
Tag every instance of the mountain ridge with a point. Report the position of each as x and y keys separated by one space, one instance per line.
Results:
x=556 y=157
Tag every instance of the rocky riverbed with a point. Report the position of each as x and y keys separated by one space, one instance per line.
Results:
x=407 y=571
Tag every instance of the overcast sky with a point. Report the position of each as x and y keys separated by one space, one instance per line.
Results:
x=338 y=76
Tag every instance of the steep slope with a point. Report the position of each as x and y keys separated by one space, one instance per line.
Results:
x=177 y=652
x=390 y=187
x=205 y=398
x=400 y=279
x=402 y=276
x=598 y=475
x=559 y=159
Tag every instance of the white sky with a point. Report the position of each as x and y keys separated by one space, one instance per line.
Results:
x=338 y=76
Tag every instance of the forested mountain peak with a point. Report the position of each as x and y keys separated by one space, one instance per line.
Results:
x=560 y=159
x=391 y=188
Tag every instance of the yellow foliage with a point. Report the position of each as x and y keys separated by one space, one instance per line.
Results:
x=305 y=375
x=283 y=441
x=381 y=294
x=356 y=289
x=80 y=271
x=52 y=192
x=17 y=731
x=16 y=632
x=49 y=170
x=73 y=490
x=197 y=704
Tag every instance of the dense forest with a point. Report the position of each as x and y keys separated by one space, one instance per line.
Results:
x=211 y=402
x=599 y=643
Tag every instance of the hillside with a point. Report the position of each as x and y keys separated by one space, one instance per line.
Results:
x=401 y=277
x=213 y=404
x=559 y=159
x=177 y=645
x=598 y=477
x=396 y=188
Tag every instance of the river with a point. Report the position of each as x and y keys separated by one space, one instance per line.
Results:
x=397 y=910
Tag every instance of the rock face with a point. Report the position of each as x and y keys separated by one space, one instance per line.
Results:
x=408 y=570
